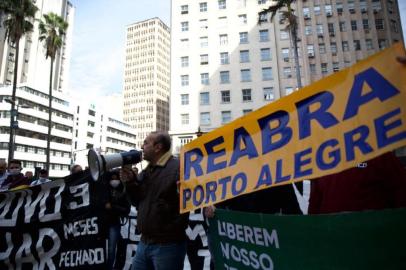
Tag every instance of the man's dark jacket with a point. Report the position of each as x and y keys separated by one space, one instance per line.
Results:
x=157 y=200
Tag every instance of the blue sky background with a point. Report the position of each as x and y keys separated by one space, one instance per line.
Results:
x=97 y=63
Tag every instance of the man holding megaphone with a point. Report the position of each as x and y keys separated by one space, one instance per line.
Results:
x=154 y=193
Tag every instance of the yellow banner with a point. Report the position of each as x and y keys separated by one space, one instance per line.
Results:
x=349 y=117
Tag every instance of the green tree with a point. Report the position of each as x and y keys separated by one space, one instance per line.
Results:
x=287 y=16
x=20 y=15
x=52 y=30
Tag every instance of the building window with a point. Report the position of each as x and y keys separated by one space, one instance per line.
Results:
x=184 y=60
x=357 y=45
x=319 y=29
x=204 y=59
x=184 y=119
x=312 y=68
x=184 y=99
x=184 y=26
x=369 y=44
x=379 y=24
x=222 y=4
x=243 y=37
x=265 y=54
x=204 y=42
x=394 y=26
x=247 y=111
x=184 y=9
x=317 y=10
x=184 y=43
x=354 y=26
x=333 y=47
x=184 y=80
x=331 y=29
x=268 y=93
x=324 y=68
x=224 y=58
x=351 y=6
x=346 y=46
x=322 y=48
x=245 y=75
x=203 y=7
x=376 y=5
x=285 y=54
x=308 y=30
x=343 y=27
x=287 y=72
x=263 y=35
x=244 y=56
x=365 y=24
x=267 y=74
x=246 y=95
x=339 y=7
x=225 y=96
x=310 y=50
x=242 y=3
x=288 y=90
x=242 y=18
x=263 y=18
x=329 y=11
x=382 y=43
x=204 y=98
x=224 y=77
x=205 y=118
x=284 y=35
x=306 y=13
x=222 y=22
x=225 y=117
x=203 y=24
x=336 y=67
x=223 y=39
x=204 y=78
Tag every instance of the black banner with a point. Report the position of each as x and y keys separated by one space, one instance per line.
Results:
x=61 y=225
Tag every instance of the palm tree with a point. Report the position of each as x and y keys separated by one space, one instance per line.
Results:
x=52 y=31
x=287 y=16
x=18 y=22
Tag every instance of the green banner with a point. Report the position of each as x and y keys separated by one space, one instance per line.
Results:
x=363 y=240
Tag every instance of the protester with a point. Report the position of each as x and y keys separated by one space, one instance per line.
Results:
x=75 y=169
x=154 y=193
x=117 y=209
x=379 y=183
x=15 y=179
x=42 y=178
x=29 y=175
x=3 y=171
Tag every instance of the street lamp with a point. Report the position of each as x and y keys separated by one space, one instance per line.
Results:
x=13 y=125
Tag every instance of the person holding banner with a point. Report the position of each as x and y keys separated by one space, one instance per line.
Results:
x=3 y=171
x=15 y=179
x=154 y=192
x=379 y=183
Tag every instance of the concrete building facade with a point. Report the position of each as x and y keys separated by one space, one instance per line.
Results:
x=224 y=64
x=97 y=130
x=31 y=134
x=147 y=78
x=33 y=68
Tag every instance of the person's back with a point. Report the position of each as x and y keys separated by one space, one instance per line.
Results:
x=377 y=184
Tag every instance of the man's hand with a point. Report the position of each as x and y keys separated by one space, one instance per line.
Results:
x=209 y=211
x=401 y=59
x=128 y=174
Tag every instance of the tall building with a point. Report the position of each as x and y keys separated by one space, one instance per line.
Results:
x=95 y=129
x=33 y=68
x=224 y=64
x=146 y=78
x=31 y=134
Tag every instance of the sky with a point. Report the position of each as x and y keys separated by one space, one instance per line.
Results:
x=97 y=63
x=98 y=45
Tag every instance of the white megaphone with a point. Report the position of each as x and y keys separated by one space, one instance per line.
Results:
x=99 y=164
